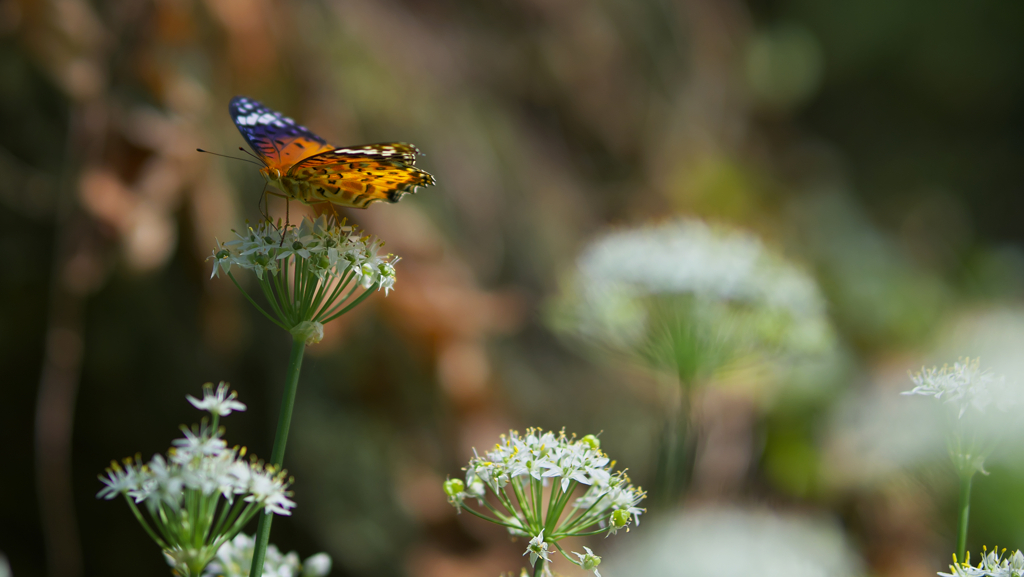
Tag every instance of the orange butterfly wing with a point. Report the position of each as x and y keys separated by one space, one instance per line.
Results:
x=359 y=175
x=277 y=139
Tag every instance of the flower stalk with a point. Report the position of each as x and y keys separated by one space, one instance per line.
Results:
x=309 y=275
x=284 y=420
x=965 y=513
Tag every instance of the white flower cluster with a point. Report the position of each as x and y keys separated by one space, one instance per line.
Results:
x=234 y=559
x=689 y=256
x=992 y=564
x=716 y=267
x=545 y=455
x=964 y=385
x=202 y=493
x=321 y=247
x=200 y=461
x=521 y=465
x=540 y=455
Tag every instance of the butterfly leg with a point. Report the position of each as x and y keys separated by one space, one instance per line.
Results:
x=286 y=219
x=264 y=205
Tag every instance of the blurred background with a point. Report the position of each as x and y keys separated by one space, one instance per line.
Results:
x=875 y=146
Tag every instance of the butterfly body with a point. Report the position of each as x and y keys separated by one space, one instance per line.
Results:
x=305 y=167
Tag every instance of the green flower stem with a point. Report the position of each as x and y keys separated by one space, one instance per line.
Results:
x=138 y=515
x=502 y=515
x=522 y=501
x=965 y=513
x=538 y=567
x=486 y=518
x=538 y=498
x=272 y=319
x=560 y=500
x=277 y=454
x=329 y=305
x=574 y=534
x=282 y=290
x=582 y=522
x=554 y=497
x=566 y=555
x=353 y=304
x=335 y=292
x=267 y=286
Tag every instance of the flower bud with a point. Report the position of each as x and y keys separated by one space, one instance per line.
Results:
x=311 y=331
x=620 y=518
x=453 y=487
x=593 y=441
x=317 y=565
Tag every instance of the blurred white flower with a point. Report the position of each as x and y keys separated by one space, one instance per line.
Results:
x=689 y=256
x=964 y=385
x=234 y=559
x=661 y=290
x=197 y=444
x=270 y=489
x=219 y=403
x=731 y=542
x=317 y=565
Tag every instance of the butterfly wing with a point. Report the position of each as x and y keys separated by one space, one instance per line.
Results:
x=358 y=175
x=277 y=139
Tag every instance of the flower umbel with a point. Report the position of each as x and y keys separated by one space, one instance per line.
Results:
x=310 y=273
x=964 y=385
x=970 y=441
x=234 y=558
x=203 y=493
x=634 y=291
x=994 y=563
x=575 y=473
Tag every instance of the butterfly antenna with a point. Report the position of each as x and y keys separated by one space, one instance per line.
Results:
x=226 y=156
x=253 y=155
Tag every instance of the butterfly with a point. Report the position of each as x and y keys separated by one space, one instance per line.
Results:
x=308 y=169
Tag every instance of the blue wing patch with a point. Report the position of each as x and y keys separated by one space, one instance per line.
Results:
x=274 y=137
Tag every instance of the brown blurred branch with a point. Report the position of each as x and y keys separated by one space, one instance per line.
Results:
x=78 y=271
